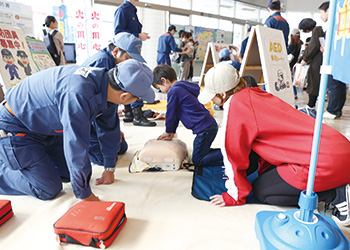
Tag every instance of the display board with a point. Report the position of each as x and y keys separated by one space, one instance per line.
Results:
x=266 y=59
x=40 y=55
x=211 y=58
x=16 y=63
x=204 y=36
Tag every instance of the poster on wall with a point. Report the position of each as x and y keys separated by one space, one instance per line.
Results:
x=205 y=36
x=16 y=62
x=19 y=15
x=40 y=55
x=94 y=23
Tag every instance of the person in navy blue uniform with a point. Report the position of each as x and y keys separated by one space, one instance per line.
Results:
x=244 y=44
x=126 y=20
x=275 y=20
x=166 y=45
x=122 y=47
x=184 y=106
x=45 y=125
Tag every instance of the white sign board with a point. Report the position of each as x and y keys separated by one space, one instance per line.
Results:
x=267 y=52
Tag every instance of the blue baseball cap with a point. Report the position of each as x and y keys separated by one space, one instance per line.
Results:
x=130 y=43
x=136 y=78
x=274 y=3
x=224 y=53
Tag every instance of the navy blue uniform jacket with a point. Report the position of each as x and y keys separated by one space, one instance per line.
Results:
x=108 y=140
x=126 y=20
x=276 y=21
x=184 y=106
x=63 y=101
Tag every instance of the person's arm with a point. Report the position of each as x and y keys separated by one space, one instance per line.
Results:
x=75 y=118
x=241 y=129
x=171 y=118
x=314 y=46
x=120 y=24
x=107 y=128
x=173 y=46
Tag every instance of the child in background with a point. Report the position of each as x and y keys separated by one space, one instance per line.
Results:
x=184 y=106
x=186 y=58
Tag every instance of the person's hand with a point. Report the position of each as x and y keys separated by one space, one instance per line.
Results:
x=321 y=49
x=144 y=36
x=217 y=200
x=303 y=63
x=106 y=178
x=166 y=136
x=92 y=197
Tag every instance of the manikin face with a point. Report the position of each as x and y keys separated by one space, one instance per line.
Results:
x=8 y=59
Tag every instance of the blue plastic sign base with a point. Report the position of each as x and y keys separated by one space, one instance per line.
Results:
x=284 y=230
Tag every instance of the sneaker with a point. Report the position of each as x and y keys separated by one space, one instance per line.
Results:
x=327 y=115
x=309 y=111
x=341 y=213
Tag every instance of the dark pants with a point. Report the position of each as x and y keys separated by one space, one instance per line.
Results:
x=312 y=100
x=336 y=96
x=202 y=154
x=271 y=189
x=95 y=153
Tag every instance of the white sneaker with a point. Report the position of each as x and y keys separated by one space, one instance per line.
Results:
x=341 y=213
x=327 y=115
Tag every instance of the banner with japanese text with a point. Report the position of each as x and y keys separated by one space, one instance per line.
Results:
x=94 y=24
x=16 y=63
x=81 y=36
x=340 y=51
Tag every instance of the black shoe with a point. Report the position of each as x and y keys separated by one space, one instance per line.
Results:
x=129 y=117
x=341 y=213
x=140 y=120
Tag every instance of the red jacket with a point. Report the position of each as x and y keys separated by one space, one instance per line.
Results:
x=281 y=136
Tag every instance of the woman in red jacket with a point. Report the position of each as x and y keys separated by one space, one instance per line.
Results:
x=282 y=137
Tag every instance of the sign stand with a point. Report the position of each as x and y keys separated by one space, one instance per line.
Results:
x=301 y=228
x=266 y=60
x=211 y=58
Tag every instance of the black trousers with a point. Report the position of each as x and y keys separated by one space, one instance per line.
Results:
x=270 y=188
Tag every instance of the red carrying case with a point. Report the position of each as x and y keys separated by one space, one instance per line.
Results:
x=91 y=223
x=5 y=211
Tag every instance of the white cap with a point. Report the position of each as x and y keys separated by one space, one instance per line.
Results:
x=219 y=79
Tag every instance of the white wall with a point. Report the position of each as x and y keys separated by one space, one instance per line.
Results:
x=155 y=23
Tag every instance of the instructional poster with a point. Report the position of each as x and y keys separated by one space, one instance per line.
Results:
x=275 y=65
x=40 y=55
x=16 y=62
